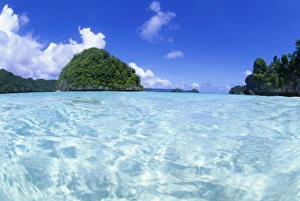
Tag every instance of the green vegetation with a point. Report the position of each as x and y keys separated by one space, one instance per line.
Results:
x=96 y=69
x=176 y=90
x=237 y=90
x=280 y=77
x=280 y=72
x=260 y=66
x=10 y=83
x=193 y=91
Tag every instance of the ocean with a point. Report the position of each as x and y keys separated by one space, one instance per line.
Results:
x=93 y=146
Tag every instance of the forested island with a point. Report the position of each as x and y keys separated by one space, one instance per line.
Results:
x=96 y=70
x=178 y=90
x=193 y=91
x=280 y=78
x=91 y=70
x=10 y=83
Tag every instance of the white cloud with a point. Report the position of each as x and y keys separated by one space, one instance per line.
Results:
x=183 y=85
x=247 y=72
x=149 y=80
x=155 y=6
x=8 y=20
x=174 y=54
x=205 y=87
x=152 y=27
x=23 y=19
x=209 y=87
x=25 y=56
x=196 y=85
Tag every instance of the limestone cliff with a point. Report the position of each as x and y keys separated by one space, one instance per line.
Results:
x=261 y=87
x=255 y=86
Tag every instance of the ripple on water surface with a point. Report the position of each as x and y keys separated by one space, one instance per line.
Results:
x=148 y=146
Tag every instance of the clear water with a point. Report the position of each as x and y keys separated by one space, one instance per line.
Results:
x=148 y=146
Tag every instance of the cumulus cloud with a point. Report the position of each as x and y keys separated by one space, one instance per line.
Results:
x=8 y=20
x=247 y=72
x=174 y=54
x=195 y=85
x=208 y=87
x=205 y=87
x=23 y=19
x=151 y=28
x=24 y=55
x=183 y=85
x=149 y=80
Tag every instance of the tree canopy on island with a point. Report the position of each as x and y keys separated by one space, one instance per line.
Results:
x=177 y=90
x=193 y=91
x=280 y=77
x=10 y=83
x=260 y=66
x=280 y=72
x=237 y=90
x=96 y=69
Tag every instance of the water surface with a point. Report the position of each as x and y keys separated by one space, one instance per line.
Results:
x=148 y=146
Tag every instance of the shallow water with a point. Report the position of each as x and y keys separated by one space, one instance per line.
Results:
x=148 y=146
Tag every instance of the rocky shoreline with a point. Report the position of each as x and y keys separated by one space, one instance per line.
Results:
x=67 y=86
x=260 y=87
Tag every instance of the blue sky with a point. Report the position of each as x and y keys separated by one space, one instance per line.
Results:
x=204 y=44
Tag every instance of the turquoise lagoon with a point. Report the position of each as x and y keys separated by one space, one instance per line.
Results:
x=149 y=146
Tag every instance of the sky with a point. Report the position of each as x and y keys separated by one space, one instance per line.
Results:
x=208 y=45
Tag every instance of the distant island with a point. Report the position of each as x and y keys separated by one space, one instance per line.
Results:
x=280 y=78
x=96 y=70
x=10 y=83
x=193 y=91
x=178 y=90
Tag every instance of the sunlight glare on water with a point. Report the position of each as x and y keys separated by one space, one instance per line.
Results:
x=149 y=146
